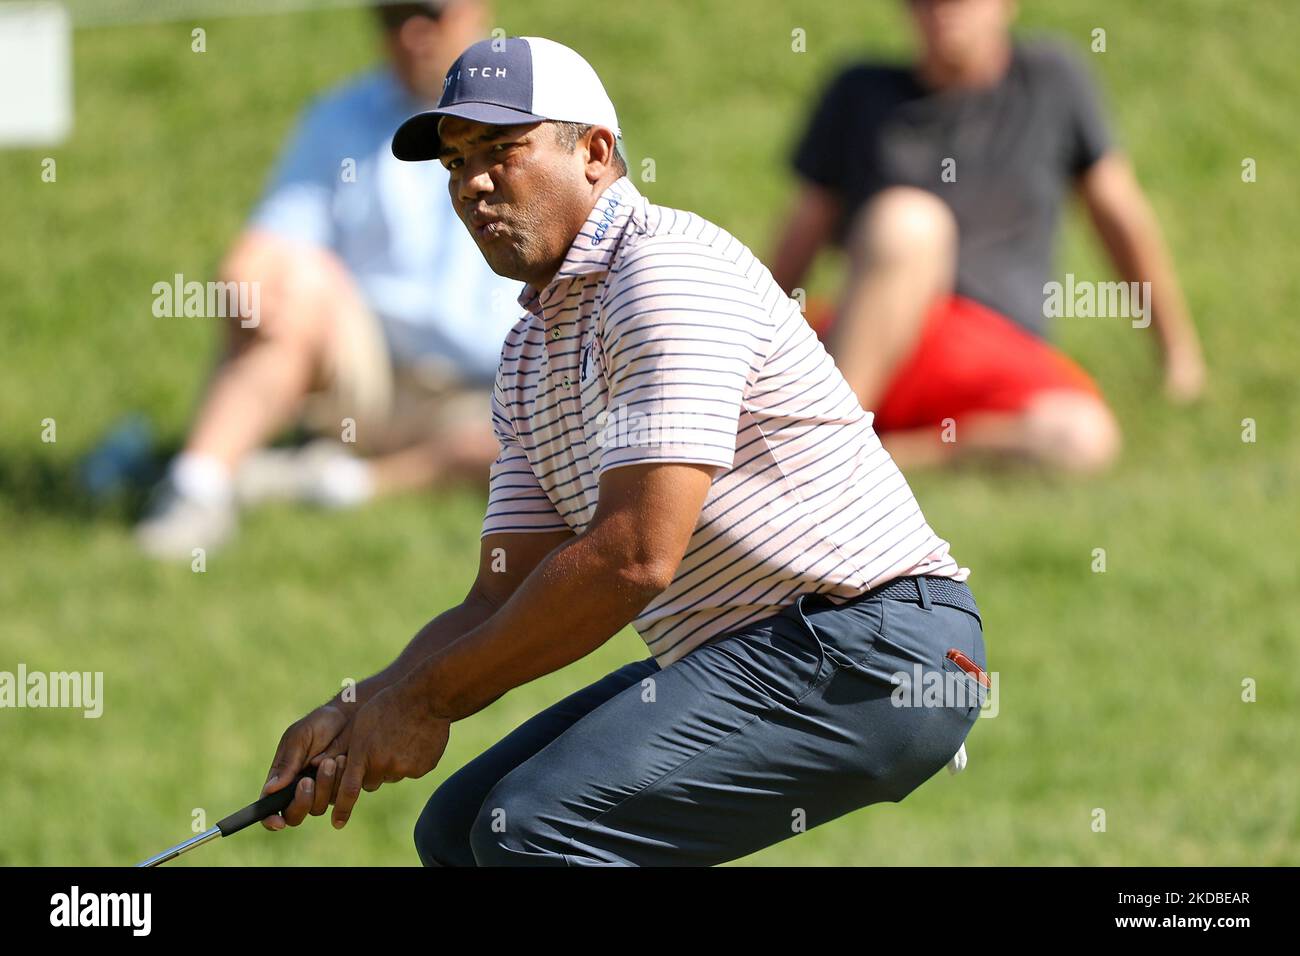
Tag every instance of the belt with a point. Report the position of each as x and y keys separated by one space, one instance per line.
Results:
x=925 y=590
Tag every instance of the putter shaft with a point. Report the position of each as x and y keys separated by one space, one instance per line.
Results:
x=180 y=848
x=267 y=806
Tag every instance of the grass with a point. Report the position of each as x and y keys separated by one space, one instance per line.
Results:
x=1120 y=691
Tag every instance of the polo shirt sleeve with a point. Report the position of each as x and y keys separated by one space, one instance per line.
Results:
x=682 y=337
x=516 y=502
x=297 y=203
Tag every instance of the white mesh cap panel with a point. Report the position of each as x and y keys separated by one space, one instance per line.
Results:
x=566 y=88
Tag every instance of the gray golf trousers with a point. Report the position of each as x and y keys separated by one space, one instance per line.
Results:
x=751 y=738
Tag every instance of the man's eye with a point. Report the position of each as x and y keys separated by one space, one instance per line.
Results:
x=501 y=147
x=453 y=163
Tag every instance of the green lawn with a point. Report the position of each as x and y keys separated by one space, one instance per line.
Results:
x=1120 y=691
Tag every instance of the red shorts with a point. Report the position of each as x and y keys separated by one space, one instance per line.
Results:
x=969 y=359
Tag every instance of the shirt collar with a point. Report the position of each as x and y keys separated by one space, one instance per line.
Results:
x=593 y=247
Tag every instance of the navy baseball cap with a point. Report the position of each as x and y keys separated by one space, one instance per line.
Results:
x=506 y=81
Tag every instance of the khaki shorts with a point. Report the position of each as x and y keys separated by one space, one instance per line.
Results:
x=384 y=407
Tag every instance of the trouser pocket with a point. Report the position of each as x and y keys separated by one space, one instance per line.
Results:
x=962 y=689
x=774 y=657
x=935 y=658
x=844 y=636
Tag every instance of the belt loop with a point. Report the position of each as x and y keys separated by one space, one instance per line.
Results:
x=923 y=591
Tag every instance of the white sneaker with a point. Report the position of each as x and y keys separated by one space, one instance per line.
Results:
x=175 y=525
x=321 y=473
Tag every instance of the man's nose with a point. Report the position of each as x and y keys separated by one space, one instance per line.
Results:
x=474 y=183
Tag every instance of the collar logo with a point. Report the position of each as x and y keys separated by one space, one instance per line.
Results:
x=607 y=215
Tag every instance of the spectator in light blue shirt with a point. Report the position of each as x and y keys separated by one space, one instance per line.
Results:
x=369 y=315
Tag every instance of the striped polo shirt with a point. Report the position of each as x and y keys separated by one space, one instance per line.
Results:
x=663 y=338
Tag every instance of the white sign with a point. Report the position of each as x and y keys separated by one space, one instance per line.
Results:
x=35 y=74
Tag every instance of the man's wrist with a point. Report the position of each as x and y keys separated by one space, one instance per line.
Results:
x=353 y=697
x=424 y=686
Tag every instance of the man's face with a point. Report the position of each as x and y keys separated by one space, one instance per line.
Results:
x=422 y=48
x=522 y=196
x=956 y=31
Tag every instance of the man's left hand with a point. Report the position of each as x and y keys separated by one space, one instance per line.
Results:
x=394 y=736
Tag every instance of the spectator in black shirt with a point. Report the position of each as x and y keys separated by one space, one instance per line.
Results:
x=944 y=181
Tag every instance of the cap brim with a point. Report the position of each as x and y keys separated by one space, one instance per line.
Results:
x=417 y=139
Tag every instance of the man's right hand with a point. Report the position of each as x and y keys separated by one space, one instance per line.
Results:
x=320 y=738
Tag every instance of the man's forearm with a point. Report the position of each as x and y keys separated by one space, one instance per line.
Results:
x=790 y=261
x=448 y=627
x=808 y=226
x=580 y=596
x=1138 y=252
x=1130 y=232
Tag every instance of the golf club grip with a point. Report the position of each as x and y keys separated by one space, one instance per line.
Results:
x=269 y=805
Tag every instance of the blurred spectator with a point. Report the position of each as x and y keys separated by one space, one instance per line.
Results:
x=943 y=181
x=380 y=323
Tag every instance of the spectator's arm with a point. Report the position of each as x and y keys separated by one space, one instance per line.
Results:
x=1127 y=227
x=297 y=202
x=292 y=220
x=808 y=227
x=822 y=163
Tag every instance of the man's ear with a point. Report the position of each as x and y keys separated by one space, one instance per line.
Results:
x=600 y=152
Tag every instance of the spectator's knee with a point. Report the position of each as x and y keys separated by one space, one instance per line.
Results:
x=295 y=289
x=903 y=223
x=1075 y=433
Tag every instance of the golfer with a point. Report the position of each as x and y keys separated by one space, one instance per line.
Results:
x=679 y=453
